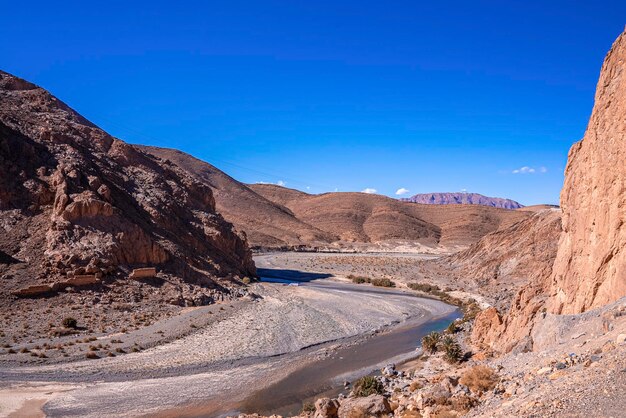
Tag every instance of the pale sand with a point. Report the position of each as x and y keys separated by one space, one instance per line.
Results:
x=28 y=400
x=260 y=343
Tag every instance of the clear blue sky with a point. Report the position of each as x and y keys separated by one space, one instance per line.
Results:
x=325 y=95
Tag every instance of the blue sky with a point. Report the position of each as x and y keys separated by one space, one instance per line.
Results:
x=332 y=95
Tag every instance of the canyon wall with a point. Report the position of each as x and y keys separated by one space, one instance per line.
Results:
x=590 y=267
x=590 y=264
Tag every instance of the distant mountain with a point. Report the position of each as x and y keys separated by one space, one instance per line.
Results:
x=463 y=199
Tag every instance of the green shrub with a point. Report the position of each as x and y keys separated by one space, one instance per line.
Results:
x=431 y=341
x=452 y=328
x=383 y=283
x=368 y=385
x=69 y=322
x=451 y=349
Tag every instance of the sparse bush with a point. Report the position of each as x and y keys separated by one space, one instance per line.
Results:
x=11 y=351
x=423 y=287
x=383 y=282
x=91 y=355
x=308 y=407
x=470 y=311
x=359 y=279
x=463 y=403
x=368 y=385
x=451 y=349
x=452 y=328
x=246 y=280
x=69 y=322
x=479 y=378
x=431 y=341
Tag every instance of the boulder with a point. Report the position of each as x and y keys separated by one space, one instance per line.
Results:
x=326 y=408
x=143 y=273
x=32 y=291
x=371 y=406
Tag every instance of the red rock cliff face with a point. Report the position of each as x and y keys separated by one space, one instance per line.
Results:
x=590 y=263
x=74 y=200
x=590 y=267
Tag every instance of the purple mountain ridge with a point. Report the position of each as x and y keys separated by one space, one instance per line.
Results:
x=463 y=199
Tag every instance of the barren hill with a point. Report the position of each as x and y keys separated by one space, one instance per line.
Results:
x=265 y=222
x=462 y=199
x=79 y=207
x=360 y=217
x=278 y=217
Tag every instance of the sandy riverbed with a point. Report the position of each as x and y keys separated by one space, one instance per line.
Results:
x=257 y=344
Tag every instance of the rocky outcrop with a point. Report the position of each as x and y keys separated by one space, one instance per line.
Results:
x=370 y=406
x=77 y=205
x=463 y=199
x=590 y=264
x=590 y=268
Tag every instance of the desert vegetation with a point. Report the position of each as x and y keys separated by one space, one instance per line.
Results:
x=380 y=282
x=368 y=385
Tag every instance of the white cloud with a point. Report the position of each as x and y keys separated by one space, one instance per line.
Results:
x=543 y=170
x=524 y=170
x=402 y=191
x=369 y=190
x=278 y=183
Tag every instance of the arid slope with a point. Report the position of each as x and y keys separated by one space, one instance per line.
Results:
x=81 y=208
x=265 y=223
x=371 y=218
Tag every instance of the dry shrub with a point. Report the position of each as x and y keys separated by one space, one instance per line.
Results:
x=463 y=403
x=383 y=282
x=479 y=378
x=415 y=385
x=444 y=412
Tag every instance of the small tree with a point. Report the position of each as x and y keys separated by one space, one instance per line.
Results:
x=431 y=341
x=451 y=349
x=69 y=322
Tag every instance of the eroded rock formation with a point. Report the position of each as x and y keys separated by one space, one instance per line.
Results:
x=590 y=265
x=76 y=201
x=590 y=268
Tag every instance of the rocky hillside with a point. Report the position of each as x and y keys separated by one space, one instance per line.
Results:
x=81 y=208
x=462 y=199
x=590 y=266
x=266 y=223
x=508 y=258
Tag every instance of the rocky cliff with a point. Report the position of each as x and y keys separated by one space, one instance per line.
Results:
x=590 y=268
x=590 y=264
x=75 y=201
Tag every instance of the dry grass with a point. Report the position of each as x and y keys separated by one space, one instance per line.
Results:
x=479 y=378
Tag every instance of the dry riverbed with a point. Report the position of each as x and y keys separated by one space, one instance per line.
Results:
x=216 y=357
